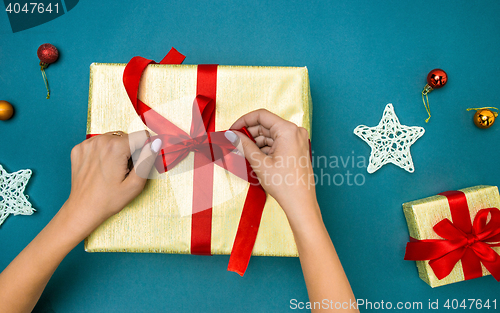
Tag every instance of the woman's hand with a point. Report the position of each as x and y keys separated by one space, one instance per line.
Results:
x=280 y=158
x=102 y=181
x=102 y=184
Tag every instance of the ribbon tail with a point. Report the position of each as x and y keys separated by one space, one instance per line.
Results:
x=247 y=229
x=471 y=265
x=493 y=268
x=173 y=57
x=443 y=266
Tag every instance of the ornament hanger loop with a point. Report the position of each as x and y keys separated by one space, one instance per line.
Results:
x=426 y=105
x=470 y=109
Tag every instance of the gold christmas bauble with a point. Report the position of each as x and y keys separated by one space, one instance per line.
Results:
x=6 y=110
x=484 y=118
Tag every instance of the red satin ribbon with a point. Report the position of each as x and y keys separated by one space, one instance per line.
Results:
x=208 y=147
x=463 y=240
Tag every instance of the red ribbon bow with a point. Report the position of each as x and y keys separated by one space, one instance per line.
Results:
x=209 y=146
x=463 y=240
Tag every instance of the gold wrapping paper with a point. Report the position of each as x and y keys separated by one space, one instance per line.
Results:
x=422 y=215
x=159 y=219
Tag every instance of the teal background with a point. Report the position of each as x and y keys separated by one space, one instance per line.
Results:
x=361 y=55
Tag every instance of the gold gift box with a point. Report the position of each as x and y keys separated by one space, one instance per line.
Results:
x=158 y=220
x=422 y=215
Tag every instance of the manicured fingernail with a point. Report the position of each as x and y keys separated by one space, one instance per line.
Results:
x=231 y=136
x=156 y=145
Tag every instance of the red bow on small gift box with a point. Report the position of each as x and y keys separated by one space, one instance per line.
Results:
x=463 y=240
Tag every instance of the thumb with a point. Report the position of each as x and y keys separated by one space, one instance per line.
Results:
x=246 y=147
x=145 y=162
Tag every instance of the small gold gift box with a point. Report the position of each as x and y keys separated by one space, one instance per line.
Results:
x=422 y=215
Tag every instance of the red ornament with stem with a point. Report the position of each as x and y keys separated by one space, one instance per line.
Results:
x=436 y=79
x=47 y=54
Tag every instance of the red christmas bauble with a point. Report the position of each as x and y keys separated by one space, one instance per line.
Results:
x=437 y=78
x=47 y=53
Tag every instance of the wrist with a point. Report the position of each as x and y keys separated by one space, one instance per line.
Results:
x=75 y=223
x=59 y=237
x=309 y=230
x=304 y=215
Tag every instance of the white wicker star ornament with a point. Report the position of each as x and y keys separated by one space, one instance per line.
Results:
x=12 y=198
x=390 y=141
